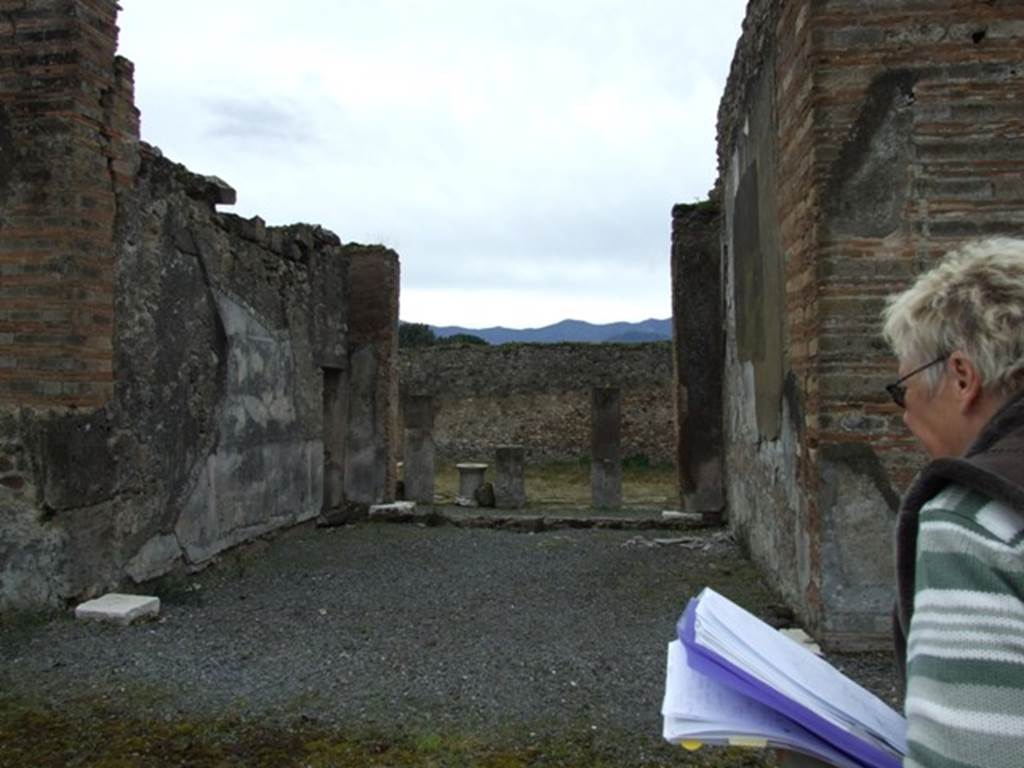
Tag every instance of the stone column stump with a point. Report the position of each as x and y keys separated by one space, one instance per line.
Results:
x=605 y=450
x=509 y=488
x=418 y=466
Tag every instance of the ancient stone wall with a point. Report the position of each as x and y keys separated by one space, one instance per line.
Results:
x=858 y=141
x=767 y=497
x=240 y=382
x=538 y=396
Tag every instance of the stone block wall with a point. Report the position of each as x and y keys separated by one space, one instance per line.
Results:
x=247 y=387
x=538 y=396
x=858 y=141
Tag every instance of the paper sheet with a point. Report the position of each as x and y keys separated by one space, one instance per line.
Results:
x=698 y=708
x=795 y=672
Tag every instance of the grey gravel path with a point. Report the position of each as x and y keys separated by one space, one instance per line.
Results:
x=403 y=626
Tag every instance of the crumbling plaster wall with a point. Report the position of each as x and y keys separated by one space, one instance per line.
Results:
x=767 y=505
x=214 y=434
x=227 y=325
x=208 y=427
x=858 y=141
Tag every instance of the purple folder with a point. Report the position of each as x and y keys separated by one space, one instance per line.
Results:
x=707 y=662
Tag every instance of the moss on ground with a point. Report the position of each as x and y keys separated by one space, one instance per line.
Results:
x=98 y=735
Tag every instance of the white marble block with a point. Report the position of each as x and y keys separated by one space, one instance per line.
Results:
x=117 y=608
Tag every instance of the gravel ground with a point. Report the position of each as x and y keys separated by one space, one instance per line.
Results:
x=404 y=627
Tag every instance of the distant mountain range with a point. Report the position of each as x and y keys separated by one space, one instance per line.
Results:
x=568 y=330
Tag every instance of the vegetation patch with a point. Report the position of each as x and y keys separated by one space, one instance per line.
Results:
x=99 y=735
x=567 y=483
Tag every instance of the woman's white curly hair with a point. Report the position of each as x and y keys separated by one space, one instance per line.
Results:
x=973 y=302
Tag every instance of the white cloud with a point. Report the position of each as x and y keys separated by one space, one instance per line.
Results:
x=523 y=150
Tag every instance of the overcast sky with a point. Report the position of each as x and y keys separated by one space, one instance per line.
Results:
x=522 y=156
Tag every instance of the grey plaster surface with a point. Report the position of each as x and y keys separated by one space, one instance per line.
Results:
x=398 y=626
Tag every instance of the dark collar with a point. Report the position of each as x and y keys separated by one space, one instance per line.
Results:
x=1007 y=420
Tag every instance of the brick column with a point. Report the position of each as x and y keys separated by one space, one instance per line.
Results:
x=69 y=143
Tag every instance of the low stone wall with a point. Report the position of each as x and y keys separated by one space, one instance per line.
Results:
x=538 y=396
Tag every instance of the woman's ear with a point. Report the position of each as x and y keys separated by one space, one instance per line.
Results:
x=966 y=380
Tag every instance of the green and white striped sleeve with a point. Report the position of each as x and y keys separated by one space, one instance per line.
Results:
x=965 y=652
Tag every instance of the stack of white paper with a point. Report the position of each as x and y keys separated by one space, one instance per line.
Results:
x=698 y=709
x=735 y=680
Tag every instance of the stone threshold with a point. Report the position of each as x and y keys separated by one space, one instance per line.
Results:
x=525 y=522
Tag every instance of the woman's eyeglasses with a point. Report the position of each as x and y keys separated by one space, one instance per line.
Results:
x=898 y=390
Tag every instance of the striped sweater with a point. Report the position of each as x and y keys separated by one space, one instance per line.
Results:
x=965 y=655
x=959 y=618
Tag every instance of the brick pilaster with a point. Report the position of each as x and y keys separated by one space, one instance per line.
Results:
x=68 y=143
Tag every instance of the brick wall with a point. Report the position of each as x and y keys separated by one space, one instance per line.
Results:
x=942 y=84
x=68 y=136
x=882 y=134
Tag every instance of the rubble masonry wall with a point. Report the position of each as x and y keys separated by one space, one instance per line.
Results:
x=538 y=396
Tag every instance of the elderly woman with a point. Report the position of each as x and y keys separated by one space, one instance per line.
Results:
x=959 y=336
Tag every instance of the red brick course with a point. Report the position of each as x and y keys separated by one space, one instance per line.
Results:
x=73 y=127
x=927 y=95
x=965 y=181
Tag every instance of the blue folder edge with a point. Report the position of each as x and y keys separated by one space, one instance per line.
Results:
x=708 y=663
